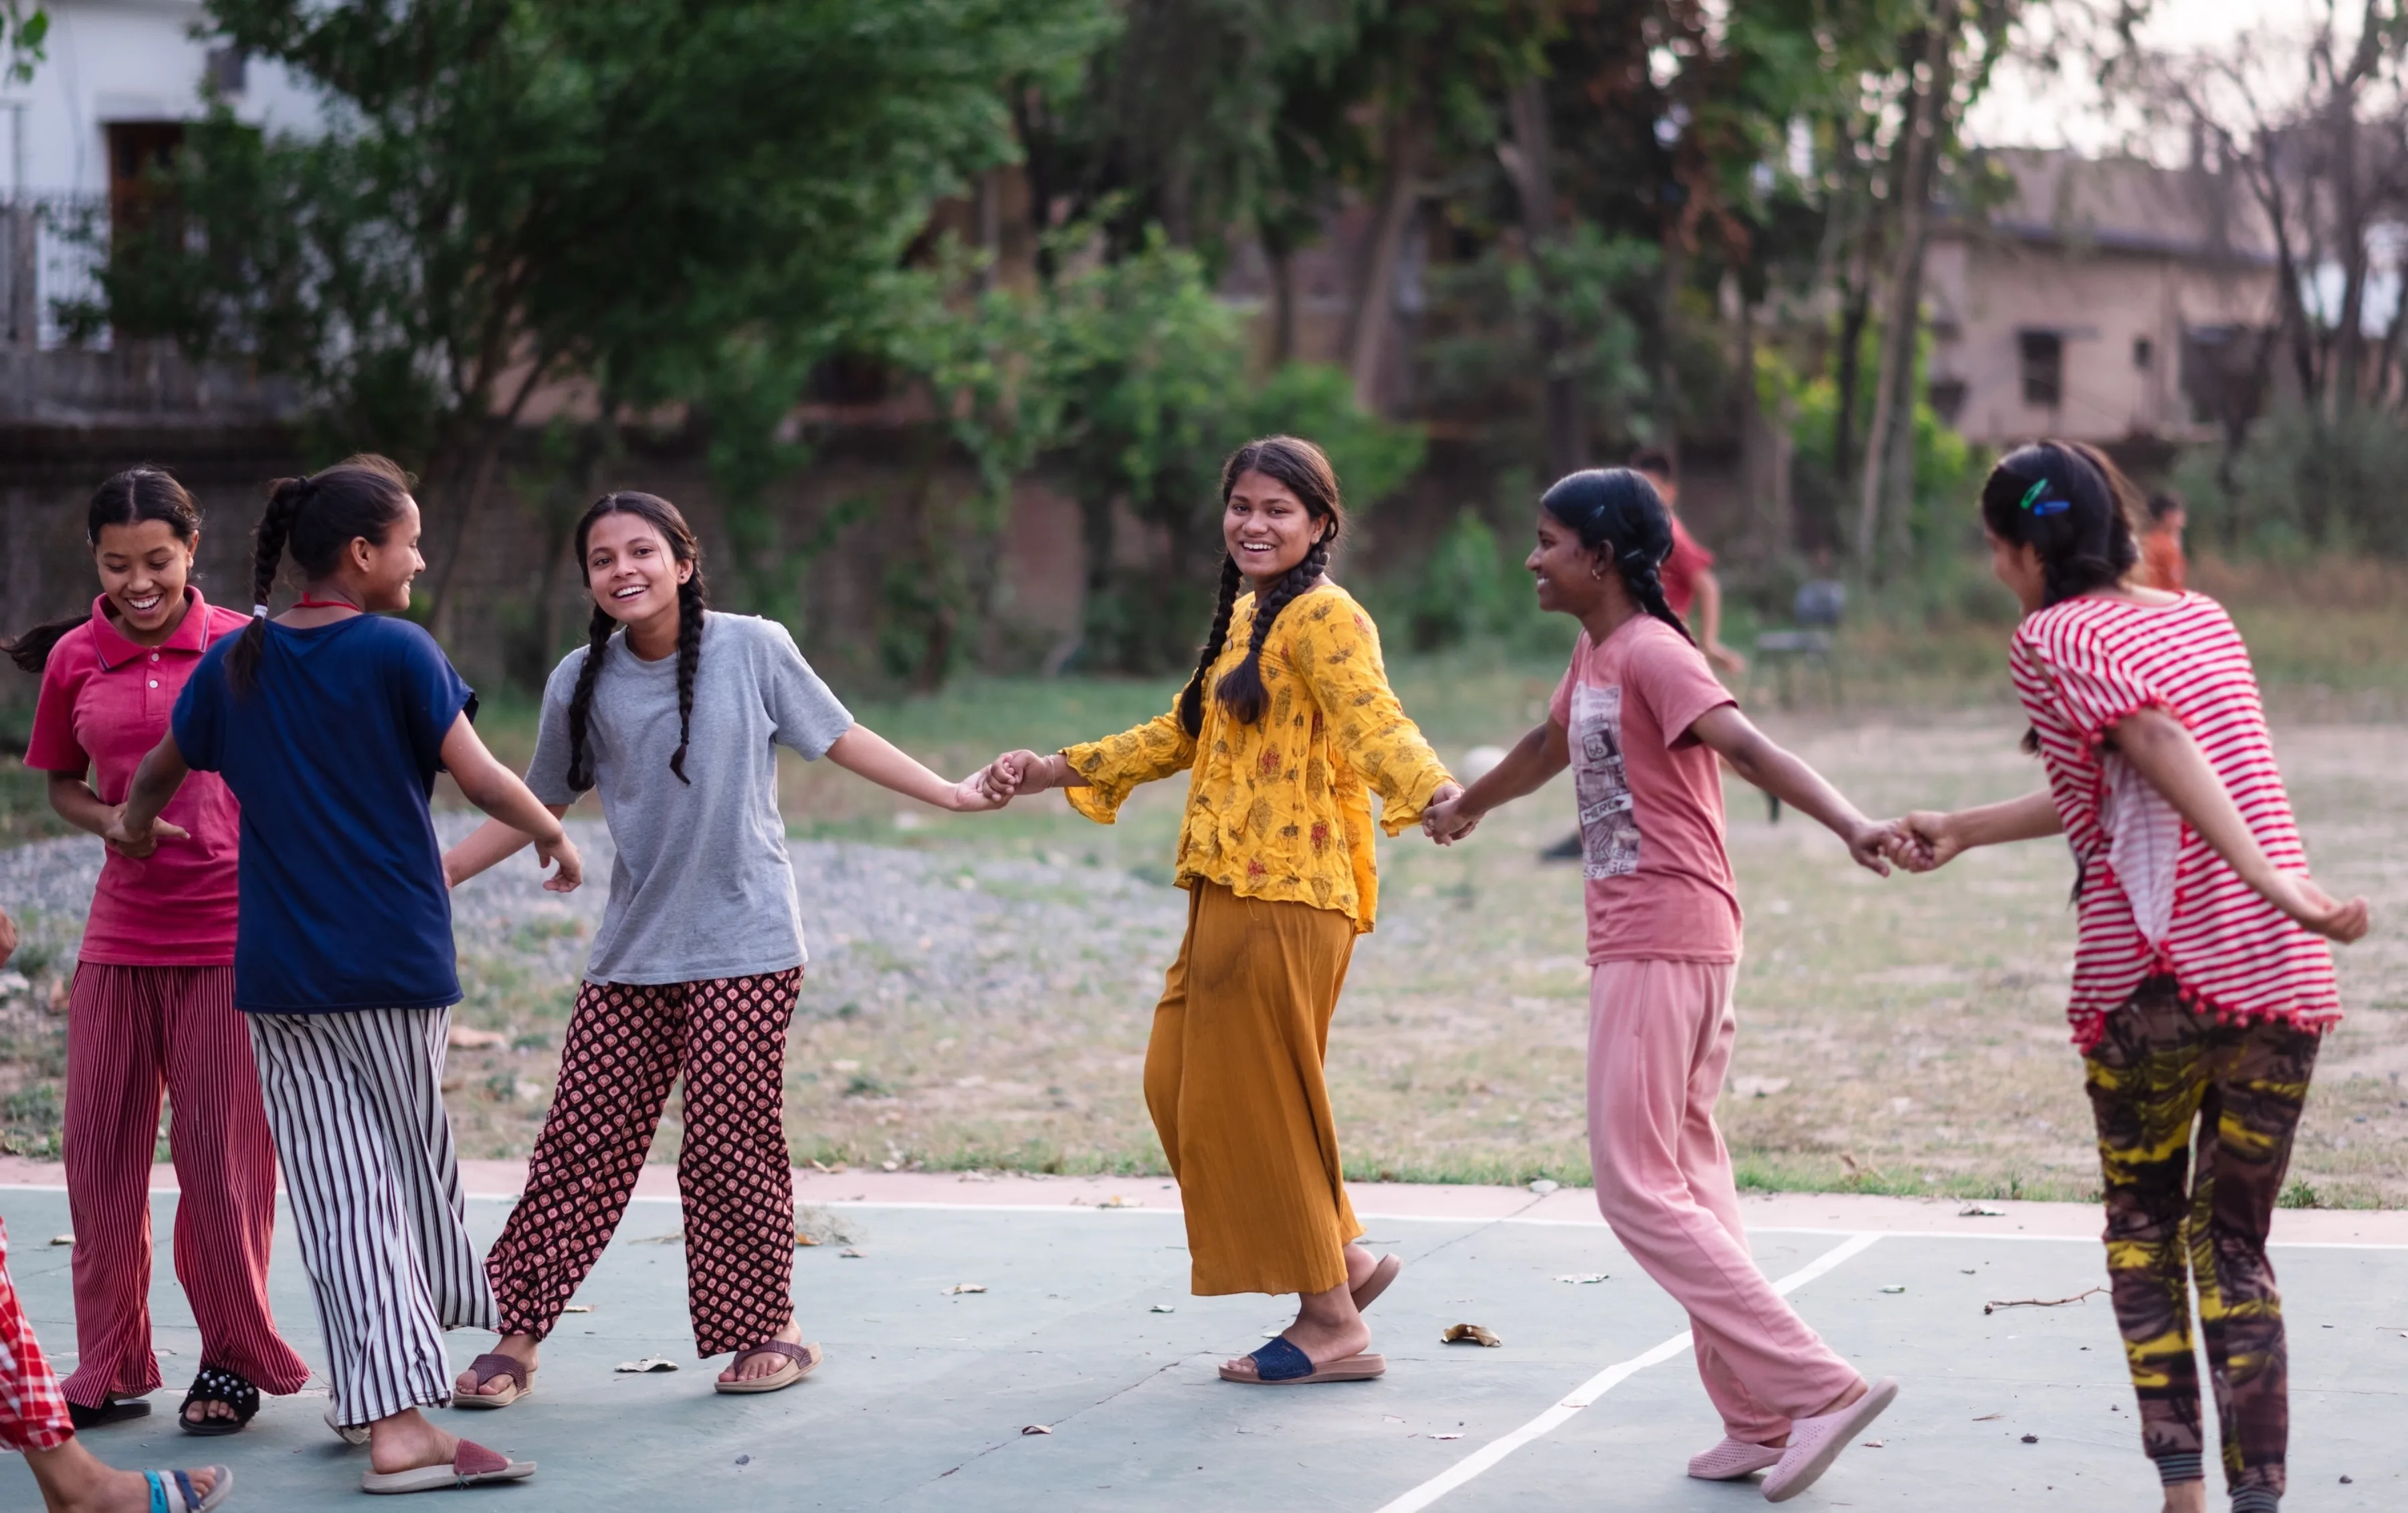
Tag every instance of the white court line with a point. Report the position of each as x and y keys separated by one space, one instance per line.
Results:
x=1386 y=1219
x=1596 y=1386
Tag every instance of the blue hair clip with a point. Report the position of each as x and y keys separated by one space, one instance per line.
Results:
x=2033 y=502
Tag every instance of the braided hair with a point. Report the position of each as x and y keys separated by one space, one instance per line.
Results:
x=128 y=498
x=693 y=600
x=1299 y=467
x=2073 y=506
x=317 y=516
x=1616 y=511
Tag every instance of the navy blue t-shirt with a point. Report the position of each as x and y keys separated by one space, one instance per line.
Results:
x=333 y=752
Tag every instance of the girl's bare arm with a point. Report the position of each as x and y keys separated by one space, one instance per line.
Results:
x=1772 y=768
x=1541 y=753
x=864 y=753
x=498 y=790
x=73 y=800
x=135 y=828
x=2156 y=744
x=1934 y=838
x=488 y=845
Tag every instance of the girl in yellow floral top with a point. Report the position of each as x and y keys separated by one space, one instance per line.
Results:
x=1285 y=729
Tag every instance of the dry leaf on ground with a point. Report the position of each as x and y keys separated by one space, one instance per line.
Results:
x=1469 y=1334
x=649 y=1363
x=1036 y=1429
x=966 y=1287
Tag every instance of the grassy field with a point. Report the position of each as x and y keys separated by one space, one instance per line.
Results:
x=1904 y=1036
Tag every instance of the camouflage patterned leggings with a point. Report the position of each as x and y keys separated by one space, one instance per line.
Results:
x=2162 y=1069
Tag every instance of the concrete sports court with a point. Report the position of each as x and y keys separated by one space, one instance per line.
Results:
x=930 y=1395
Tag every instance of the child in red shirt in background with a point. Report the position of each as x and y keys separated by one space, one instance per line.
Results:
x=1689 y=570
x=2162 y=561
x=1641 y=722
x=154 y=1000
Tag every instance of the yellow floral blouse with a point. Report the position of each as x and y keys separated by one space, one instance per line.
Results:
x=1279 y=810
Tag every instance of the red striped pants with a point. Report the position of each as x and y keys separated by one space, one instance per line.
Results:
x=33 y=1414
x=133 y=1032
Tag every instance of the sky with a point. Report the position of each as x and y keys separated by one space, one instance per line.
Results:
x=2029 y=108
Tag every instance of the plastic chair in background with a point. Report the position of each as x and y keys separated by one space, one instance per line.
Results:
x=1813 y=639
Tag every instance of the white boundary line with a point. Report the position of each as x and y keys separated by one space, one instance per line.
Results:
x=1596 y=1386
x=1386 y=1219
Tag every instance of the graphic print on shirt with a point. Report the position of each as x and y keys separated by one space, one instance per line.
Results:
x=1609 y=827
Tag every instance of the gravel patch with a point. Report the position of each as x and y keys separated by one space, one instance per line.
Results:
x=883 y=925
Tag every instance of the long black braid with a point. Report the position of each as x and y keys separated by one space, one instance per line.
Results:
x=1191 y=698
x=1300 y=467
x=1617 y=513
x=1240 y=690
x=318 y=517
x=693 y=602
x=581 y=703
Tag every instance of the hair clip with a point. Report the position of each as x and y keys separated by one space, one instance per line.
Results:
x=2033 y=502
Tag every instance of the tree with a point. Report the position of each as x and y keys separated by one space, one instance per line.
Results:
x=673 y=204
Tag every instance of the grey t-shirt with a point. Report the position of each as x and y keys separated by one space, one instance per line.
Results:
x=702 y=886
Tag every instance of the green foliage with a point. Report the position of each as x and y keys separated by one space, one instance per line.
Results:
x=23 y=34
x=678 y=202
x=2304 y=482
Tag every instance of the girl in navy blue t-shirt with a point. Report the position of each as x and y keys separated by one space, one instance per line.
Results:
x=329 y=723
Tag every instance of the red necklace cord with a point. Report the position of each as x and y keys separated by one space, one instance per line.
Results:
x=304 y=602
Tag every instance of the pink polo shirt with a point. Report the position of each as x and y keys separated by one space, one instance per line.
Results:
x=104 y=704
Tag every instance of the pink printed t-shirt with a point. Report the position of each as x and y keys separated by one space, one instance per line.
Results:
x=1651 y=797
x=104 y=704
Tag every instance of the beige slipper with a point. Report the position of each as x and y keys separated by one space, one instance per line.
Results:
x=1377 y=1283
x=801 y=1361
x=489 y=1368
x=472 y=1466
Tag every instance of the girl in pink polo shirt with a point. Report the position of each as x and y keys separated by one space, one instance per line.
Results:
x=153 y=999
x=1641 y=722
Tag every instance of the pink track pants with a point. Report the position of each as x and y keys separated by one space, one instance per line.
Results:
x=1660 y=1041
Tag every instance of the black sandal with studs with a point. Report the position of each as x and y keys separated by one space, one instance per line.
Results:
x=215 y=1384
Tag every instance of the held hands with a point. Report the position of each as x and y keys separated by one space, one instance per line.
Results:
x=560 y=854
x=135 y=845
x=1446 y=818
x=1925 y=840
x=1003 y=778
x=1872 y=845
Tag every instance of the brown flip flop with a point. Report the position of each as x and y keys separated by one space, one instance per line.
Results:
x=801 y=1361
x=493 y=1366
x=1377 y=1283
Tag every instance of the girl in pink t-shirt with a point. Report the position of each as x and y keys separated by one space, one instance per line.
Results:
x=152 y=1007
x=1641 y=720
x=2202 y=982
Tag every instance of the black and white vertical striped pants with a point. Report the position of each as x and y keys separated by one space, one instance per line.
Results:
x=355 y=1102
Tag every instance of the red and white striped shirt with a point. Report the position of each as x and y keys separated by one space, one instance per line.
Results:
x=2155 y=898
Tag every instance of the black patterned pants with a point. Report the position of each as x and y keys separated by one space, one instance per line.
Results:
x=627 y=1043
x=2164 y=1074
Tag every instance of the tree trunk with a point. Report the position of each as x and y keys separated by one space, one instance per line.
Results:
x=1528 y=159
x=1889 y=448
x=1283 y=270
x=1369 y=317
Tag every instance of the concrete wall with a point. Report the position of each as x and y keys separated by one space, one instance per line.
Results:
x=1982 y=292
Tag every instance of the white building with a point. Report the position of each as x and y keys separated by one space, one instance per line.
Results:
x=117 y=81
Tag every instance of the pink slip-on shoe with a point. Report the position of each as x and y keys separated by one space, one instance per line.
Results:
x=1733 y=1459
x=1814 y=1443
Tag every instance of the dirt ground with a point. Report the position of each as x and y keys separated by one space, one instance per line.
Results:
x=1905 y=1036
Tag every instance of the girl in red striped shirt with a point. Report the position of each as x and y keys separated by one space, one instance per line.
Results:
x=2202 y=981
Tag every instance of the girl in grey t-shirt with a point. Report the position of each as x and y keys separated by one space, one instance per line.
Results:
x=673 y=712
